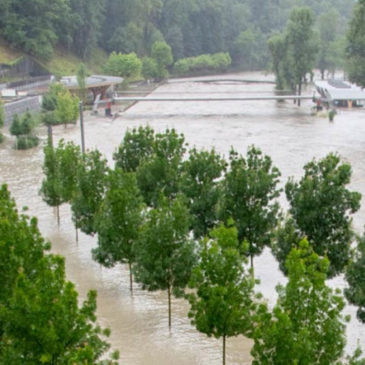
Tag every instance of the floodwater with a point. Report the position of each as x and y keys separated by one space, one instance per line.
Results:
x=285 y=132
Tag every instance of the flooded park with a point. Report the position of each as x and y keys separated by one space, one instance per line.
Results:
x=287 y=133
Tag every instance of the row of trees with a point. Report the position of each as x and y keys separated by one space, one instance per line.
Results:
x=41 y=321
x=298 y=49
x=162 y=211
x=190 y=27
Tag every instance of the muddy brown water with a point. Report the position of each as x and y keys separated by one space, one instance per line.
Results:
x=290 y=135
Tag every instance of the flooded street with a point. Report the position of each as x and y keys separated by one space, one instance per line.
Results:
x=285 y=132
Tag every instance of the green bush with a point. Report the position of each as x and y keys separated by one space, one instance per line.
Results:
x=26 y=142
x=205 y=62
x=124 y=65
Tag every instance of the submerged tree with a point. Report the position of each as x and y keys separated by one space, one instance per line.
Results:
x=249 y=192
x=89 y=191
x=223 y=302
x=199 y=183
x=51 y=184
x=118 y=221
x=164 y=252
x=137 y=146
x=306 y=326
x=321 y=207
x=160 y=173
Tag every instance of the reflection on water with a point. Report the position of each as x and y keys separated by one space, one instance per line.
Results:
x=288 y=134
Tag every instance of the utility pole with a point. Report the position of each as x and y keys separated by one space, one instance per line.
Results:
x=82 y=127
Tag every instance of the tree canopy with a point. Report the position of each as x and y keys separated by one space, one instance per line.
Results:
x=40 y=318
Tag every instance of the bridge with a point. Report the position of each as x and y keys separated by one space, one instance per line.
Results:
x=208 y=99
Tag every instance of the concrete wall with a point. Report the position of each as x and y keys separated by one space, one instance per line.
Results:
x=31 y=104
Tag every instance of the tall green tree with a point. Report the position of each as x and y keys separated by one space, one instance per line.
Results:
x=355 y=53
x=301 y=43
x=164 y=253
x=118 y=221
x=223 y=302
x=67 y=108
x=160 y=174
x=51 y=184
x=81 y=75
x=321 y=207
x=68 y=156
x=88 y=17
x=249 y=193
x=136 y=147
x=41 y=321
x=328 y=34
x=162 y=54
x=199 y=183
x=355 y=276
x=294 y=52
x=306 y=325
x=89 y=192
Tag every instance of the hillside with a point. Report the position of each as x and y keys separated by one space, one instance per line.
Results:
x=62 y=63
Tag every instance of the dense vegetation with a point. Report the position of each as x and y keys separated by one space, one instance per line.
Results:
x=190 y=27
x=41 y=321
x=194 y=222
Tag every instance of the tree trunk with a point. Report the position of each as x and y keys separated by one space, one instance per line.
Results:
x=169 y=300
x=299 y=91
x=224 y=350
x=58 y=215
x=77 y=235
x=50 y=135
x=130 y=277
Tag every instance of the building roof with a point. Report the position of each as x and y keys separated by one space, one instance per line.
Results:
x=70 y=82
x=339 y=90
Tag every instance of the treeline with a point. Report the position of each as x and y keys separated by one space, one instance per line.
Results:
x=183 y=217
x=190 y=27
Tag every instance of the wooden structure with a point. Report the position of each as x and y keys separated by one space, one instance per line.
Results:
x=97 y=84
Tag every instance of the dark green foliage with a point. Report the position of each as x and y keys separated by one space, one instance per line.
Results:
x=164 y=252
x=306 y=326
x=320 y=205
x=137 y=146
x=355 y=54
x=87 y=17
x=23 y=130
x=118 y=220
x=189 y=27
x=160 y=174
x=199 y=183
x=40 y=319
x=15 y=127
x=89 y=192
x=249 y=192
x=26 y=142
x=355 y=276
x=223 y=302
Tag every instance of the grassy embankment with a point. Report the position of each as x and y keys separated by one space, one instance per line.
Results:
x=62 y=63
